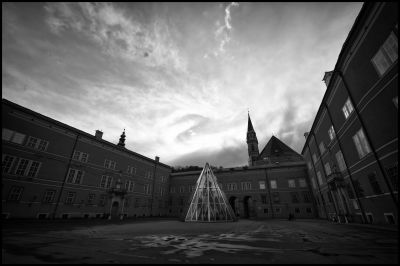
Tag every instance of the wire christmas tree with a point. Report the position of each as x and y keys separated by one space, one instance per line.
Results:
x=209 y=203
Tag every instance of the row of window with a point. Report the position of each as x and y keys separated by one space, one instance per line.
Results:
x=15 y=194
x=247 y=185
x=24 y=167
x=19 y=138
x=41 y=145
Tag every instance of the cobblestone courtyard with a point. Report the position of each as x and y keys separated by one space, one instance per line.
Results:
x=171 y=241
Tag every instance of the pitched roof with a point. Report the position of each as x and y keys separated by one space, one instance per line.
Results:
x=278 y=150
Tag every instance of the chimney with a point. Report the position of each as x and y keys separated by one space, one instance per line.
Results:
x=157 y=159
x=99 y=134
x=327 y=77
x=306 y=134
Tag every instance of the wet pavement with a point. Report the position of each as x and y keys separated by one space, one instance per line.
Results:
x=171 y=241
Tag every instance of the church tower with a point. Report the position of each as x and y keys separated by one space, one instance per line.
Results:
x=122 y=139
x=252 y=143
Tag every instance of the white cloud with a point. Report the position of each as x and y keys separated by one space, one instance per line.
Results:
x=223 y=32
x=118 y=34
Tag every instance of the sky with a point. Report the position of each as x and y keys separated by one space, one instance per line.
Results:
x=180 y=78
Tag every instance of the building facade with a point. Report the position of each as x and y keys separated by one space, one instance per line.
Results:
x=274 y=185
x=52 y=170
x=351 y=149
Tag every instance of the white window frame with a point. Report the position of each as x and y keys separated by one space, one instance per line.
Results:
x=51 y=197
x=181 y=189
x=261 y=185
x=110 y=164
x=129 y=185
x=322 y=147
x=67 y=197
x=90 y=199
x=12 y=193
x=12 y=136
x=386 y=55
x=147 y=189
x=340 y=160
x=274 y=184
x=361 y=143
x=5 y=170
x=327 y=167
x=73 y=180
x=28 y=167
x=314 y=183
x=331 y=133
x=131 y=170
x=314 y=157
x=347 y=108
x=319 y=176
x=79 y=156
x=292 y=183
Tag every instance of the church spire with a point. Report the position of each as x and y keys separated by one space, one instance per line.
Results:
x=252 y=142
x=122 y=139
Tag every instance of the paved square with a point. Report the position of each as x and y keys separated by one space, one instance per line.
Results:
x=172 y=241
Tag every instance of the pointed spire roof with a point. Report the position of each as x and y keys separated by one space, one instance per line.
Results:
x=249 y=124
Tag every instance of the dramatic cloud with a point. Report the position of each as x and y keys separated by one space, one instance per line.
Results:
x=178 y=77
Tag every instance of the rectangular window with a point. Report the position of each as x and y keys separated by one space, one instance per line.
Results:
x=302 y=182
x=161 y=191
x=361 y=143
x=31 y=143
x=275 y=197
x=7 y=163
x=15 y=193
x=308 y=210
x=392 y=173
x=22 y=166
x=102 y=200
x=273 y=184
x=295 y=197
x=49 y=196
x=106 y=181
x=75 y=176
x=263 y=199
x=278 y=210
x=91 y=198
x=347 y=108
x=80 y=156
x=109 y=164
x=42 y=146
x=396 y=101
x=129 y=185
x=232 y=186
x=147 y=188
x=172 y=190
x=314 y=157
x=319 y=178
x=296 y=210
x=331 y=133
x=262 y=184
x=266 y=210
x=386 y=55
x=70 y=198
x=33 y=169
x=358 y=188
x=309 y=165
x=246 y=185
x=314 y=184
x=306 y=196
x=182 y=189
x=322 y=147
x=327 y=169
x=7 y=134
x=131 y=170
x=291 y=183
x=340 y=160
x=374 y=183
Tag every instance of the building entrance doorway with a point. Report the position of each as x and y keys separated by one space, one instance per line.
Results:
x=114 y=209
x=247 y=207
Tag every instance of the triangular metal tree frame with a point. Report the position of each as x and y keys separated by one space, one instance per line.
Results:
x=209 y=203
